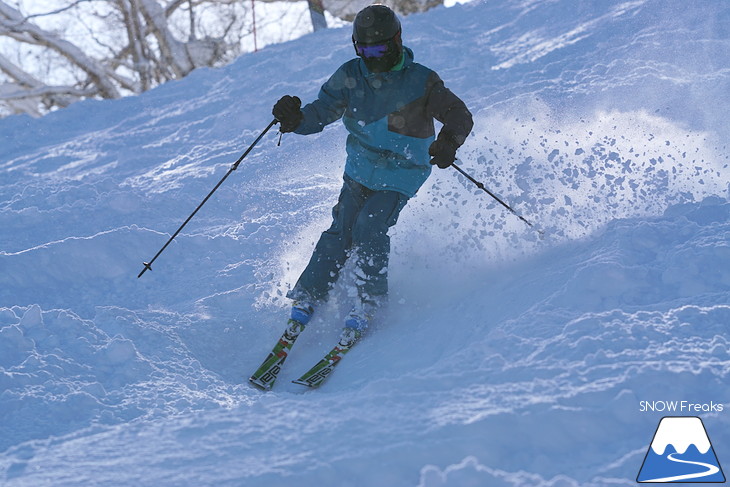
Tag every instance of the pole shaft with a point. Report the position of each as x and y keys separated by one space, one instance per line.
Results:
x=497 y=198
x=148 y=265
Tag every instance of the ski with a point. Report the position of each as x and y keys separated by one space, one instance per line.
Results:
x=322 y=369
x=267 y=373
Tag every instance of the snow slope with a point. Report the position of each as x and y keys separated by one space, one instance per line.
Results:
x=503 y=360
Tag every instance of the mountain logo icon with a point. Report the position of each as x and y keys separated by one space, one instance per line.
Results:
x=680 y=452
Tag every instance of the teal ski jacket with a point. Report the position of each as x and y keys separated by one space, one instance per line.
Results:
x=389 y=117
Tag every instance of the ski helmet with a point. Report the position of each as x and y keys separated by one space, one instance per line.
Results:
x=374 y=24
x=376 y=36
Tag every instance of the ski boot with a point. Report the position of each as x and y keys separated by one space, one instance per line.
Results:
x=301 y=312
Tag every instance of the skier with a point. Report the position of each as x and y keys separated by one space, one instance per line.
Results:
x=388 y=104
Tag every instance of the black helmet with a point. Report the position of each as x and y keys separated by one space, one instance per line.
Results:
x=373 y=24
x=376 y=35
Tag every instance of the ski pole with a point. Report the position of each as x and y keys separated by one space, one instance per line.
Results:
x=148 y=265
x=481 y=186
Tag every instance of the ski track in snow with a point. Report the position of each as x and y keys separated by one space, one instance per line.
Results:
x=503 y=359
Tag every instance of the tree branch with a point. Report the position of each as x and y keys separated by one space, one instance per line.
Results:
x=40 y=37
x=16 y=73
x=172 y=50
x=41 y=91
x=57 y=11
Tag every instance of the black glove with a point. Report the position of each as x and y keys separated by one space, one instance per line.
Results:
x=443 y=150
x=288 y=111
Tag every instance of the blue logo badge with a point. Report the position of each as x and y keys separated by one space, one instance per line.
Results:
x=680 y=452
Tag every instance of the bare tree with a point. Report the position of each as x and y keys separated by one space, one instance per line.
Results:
x=112 y=48
x=152 y=49
x=347 y=9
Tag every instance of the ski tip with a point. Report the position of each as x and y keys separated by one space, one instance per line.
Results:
x=304 y=383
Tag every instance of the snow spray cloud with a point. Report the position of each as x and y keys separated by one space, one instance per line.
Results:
x=571 y=175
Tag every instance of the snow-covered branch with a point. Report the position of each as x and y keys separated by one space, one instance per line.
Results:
x=110 y=48
x=12 y=21
x=142 y=46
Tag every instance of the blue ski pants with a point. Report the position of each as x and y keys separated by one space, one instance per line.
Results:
x=360 y=222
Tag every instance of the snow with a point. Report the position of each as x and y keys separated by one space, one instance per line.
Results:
x=503 y=359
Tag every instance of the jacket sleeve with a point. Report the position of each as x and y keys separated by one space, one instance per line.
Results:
x=447 y=108
x=329 y=106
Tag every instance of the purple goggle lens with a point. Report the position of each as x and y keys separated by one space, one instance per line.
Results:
x=372 y=50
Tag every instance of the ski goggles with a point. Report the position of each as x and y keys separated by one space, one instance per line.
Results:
x=372 y=50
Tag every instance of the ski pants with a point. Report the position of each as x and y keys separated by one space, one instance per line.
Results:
x=360 y=222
